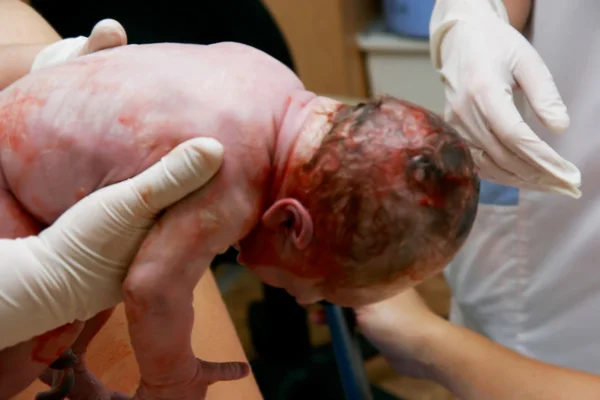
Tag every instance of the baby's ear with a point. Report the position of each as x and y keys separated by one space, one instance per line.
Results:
x=292 y=219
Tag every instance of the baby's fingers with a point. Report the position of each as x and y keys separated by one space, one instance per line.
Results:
x=223 y=371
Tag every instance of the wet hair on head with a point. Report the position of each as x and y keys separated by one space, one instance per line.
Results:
x=392 y=190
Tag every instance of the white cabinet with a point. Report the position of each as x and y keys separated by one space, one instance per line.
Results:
x=401 y=67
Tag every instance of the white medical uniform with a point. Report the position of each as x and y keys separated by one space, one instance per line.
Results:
x=529 y=275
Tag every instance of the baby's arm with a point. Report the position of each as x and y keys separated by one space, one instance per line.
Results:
x=158 y=292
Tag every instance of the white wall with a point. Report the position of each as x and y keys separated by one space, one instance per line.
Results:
x=401 y=67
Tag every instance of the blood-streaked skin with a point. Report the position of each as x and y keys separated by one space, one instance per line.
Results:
x=288 y=193
x=67 y=131
x=392 y=193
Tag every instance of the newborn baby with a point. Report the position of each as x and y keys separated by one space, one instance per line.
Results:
x=351 y=204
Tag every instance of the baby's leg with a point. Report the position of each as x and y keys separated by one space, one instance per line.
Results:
x=86 y=383
x=16 y=222
x=21 y=364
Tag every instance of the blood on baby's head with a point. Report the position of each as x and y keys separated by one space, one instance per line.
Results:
x=392 y=192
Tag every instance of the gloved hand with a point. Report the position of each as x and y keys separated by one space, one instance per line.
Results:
x=106 y=34
x=75 y=268
x=481 y=59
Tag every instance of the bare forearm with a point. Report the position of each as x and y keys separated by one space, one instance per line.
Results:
x=473 y=367
x=16 y=61
x=518 y=12
x=20 y=24
x=23 y=34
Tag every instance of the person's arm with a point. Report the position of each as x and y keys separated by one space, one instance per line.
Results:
x=518 y=12
x=474 y=367
x=23 y=34
x=28 y=42
x=421 y=344
x=21 y=24
x=16 y=61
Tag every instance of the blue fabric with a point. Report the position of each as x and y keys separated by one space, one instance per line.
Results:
x=408 y=17
x=498 y=195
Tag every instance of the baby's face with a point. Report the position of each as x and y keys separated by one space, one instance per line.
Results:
x=307 y=282
x=263 y=252
x=282 y=252
x=310 y=291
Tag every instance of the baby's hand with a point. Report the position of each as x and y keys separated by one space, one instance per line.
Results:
x=206 y=374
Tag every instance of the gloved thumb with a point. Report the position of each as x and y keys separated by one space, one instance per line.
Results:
x=106 y=34
x=185 y=169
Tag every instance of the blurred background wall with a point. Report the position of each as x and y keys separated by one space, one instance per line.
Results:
x=358 y=48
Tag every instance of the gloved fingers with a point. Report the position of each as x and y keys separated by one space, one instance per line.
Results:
x=473 y=125
x=223 y=371
x=490 y=171
x=185 y=169
x=497 y=162
x=536 y=81
x=507 y=124
x=106 y=34
x=549 y=185
x=540 y=182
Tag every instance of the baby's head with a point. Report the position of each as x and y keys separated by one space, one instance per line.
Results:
x=374 y=199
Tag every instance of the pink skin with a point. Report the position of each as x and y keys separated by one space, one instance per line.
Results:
x=403 y=180
x=67 y=131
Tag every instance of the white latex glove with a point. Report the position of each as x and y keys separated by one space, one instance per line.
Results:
x=481 y=59
x=75 y=268
x=106 y=34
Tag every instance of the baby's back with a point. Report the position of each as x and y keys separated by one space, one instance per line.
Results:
x=69 y=130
